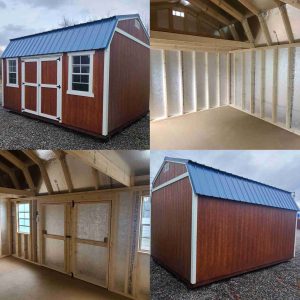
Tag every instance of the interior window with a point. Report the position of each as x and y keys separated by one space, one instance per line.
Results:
x=23 y=218
x=81 y=73
x=12 y=71
x=145 y=233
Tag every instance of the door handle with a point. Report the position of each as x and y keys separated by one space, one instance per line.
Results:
x=58 y=86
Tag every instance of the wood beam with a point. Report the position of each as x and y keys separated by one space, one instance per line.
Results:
x=295 y=3
x=11 y=174
x=248 y=31
x=210 y=11
x=286 y=23
x=19 y=164
x=101 y=162
x=41 y=165
x=96 y=178
x=262 y=83
x=291 y=57
x=15 y=192
x=61 y=156
x=265 y=29
x=229 y=9
x=250 y=6
x=160 y=40
x=252 y=84
x=234 y=32
x=275 y=86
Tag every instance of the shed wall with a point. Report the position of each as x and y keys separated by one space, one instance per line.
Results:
x=12 y=95
x=84 y=112
x=129 y=81
x=171 y=218
x=129 y=27
x=175 y=170
x=234 y=238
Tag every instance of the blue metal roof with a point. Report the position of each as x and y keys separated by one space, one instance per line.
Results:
x=82 y=37
x=207 y=181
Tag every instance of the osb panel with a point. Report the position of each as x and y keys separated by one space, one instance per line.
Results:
x=235 y=237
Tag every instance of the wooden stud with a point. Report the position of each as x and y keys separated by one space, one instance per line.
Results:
x=275 y=86
x=234 y=79
x=206 y=81
x=228 y=69
x=218 y=81
x=243 y=81
x=249 y=5
x=291 y=53
x=181 y=85
x=228 y=9
x=41 y=165
x=195 y=81
x=248 y=31
x=262 y=82
x=15 y=192
x=294 y=3
x=265 y=29
x=234 y=32
x=95 y=178
x=11 y=174
x=164 y=79
x=62 y=159
x=252 y=83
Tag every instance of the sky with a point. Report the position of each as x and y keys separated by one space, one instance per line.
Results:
x=277 y=168
x=23 y=17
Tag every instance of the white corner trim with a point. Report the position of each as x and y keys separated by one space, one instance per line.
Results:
x=131 y=37
x=194 y=238
x=106 y=73
x=184 y=175
x=2 y=87
x=295 y=235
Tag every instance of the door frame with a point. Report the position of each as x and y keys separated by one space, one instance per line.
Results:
x=70 y=243
x=39 y=85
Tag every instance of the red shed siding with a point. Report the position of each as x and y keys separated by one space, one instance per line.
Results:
x=171 y=213
x=12 y=96
x=298 y=224
x=129 y=27
x=129 y=81
x=234 y=238
x=175 y=170
x=84 y=112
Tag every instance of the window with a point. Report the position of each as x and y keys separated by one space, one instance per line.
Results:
x=137 y=24
x=12 y=72
x=23 y=218
x=81 y=74
x=178 y=13
x=145 y=232
x=166 y=167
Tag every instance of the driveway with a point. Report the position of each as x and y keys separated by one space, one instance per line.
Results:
x=278 y=282
x=19 y=132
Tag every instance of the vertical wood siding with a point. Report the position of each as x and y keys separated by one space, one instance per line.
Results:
x=12 y=96
x=31 y=72
x=129 y=27
x=30 y=98
x=49 y=101
x=175 y=170
x=84 y=112
x=49 y=72
x=235 y=238
x=129 y=81
x=171 y=215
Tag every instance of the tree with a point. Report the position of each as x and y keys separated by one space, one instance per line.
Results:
x=67 y=22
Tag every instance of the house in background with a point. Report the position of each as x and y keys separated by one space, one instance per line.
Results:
x=93 y=77
x=208 y=225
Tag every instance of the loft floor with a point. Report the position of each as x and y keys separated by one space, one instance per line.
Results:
x=220 y=128
x=20 y=280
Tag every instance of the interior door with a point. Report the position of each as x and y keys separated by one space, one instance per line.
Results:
x=55 y=236
x=30 y=86
x=41 y=86
x=90 y=241
x=50 y=87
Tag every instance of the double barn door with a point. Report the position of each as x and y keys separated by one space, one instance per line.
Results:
x=41 y=86
x=74 y=239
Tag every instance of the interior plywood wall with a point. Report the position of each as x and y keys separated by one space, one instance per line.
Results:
x=266 y=83
x=4 y=227
x=187 y=81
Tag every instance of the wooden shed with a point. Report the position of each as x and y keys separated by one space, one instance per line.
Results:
x=208 y=225
x=74 y=223
x=93 y=77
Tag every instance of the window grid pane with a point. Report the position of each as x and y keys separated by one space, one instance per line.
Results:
x=81 y=73
x=12 y=71
x=24 y=218
x=145 y=228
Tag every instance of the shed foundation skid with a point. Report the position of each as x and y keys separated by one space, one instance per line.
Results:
x=226 y=225
x=96 y=81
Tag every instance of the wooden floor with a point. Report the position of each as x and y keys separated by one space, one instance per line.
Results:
x=20 y=280
x=220 y=128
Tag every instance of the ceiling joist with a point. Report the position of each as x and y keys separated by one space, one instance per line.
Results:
x=295 y=3
x=11 y=174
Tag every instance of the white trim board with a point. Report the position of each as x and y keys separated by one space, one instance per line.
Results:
x=13 y=85
x=106 y=85
x=2 y=87
x=194 y=238
x=173 y=180
x=131 y=37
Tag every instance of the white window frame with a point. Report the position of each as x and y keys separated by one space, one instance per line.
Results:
x=18 y=225
x=141 y=226
x=15 y=85
x=70 y=91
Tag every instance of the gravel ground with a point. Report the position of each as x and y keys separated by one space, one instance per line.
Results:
x=19 y=132
x=280 y=282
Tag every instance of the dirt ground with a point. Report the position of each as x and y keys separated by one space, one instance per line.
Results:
x=280 y=282
x=19 y=132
